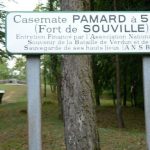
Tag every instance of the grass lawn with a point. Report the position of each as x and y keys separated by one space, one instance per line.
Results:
x=13 y=124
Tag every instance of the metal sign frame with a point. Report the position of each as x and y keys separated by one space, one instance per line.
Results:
x=81 y=32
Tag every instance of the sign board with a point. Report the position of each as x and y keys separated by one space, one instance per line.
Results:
x=78 y=32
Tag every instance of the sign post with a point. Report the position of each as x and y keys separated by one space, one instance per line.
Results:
x=34 y=33
x=146 y=77
x=34 y=102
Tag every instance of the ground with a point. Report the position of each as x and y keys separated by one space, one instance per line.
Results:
x=13 y=124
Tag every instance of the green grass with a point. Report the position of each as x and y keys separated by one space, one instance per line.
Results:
x=13 y=124
x=13 y=93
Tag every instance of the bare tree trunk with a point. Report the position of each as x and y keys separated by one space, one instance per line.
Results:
x=45 y=81
x=125 y=86
x=60 y=103
x=96 y=81
x=79 y=115
x=113 y=92
x=119 y=102
x=77 y=93
x=115 y=4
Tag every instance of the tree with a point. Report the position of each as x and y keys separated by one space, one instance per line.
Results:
x=96 y=79
x=118 y=94
x=77 y=94
x=45 y=70
x=2 y=33
x=3 y=52
x=4 y=71
x=118 y=86
x=103 y=75
x=19 y=69
x=53 y=5
x=55 y=71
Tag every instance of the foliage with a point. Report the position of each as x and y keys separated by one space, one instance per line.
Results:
x=51 y=68
x=130 y=65
x=50 y=6
x=53 y=5
x=19 y=70
x=40 y=7
x=2 y=34
x=129 y=5
x=50 y=63
x=3 y=52
x=107 y=5
x=103 y=73
x=4 y=71
x=102 y=5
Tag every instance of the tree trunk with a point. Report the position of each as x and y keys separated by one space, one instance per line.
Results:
x=113 y=93
x=119 y=103
x=60 y=103
x=79 y=115
x=125 y=86
x=96 y=81
x=131 y=88
x=115 y=4
x=97 y=98
x=44 y=79
x=77 y=92
x=124 y=94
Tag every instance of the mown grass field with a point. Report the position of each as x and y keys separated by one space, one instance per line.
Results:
x=13 y=124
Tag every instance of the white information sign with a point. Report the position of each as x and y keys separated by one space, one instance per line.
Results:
x=78 y=32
